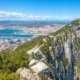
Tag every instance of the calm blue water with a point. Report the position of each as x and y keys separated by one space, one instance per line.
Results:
x=10 y=33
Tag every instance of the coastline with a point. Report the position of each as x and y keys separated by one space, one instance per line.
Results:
x=36 y=31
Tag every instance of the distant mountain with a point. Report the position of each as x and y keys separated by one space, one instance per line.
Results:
x=30 y=23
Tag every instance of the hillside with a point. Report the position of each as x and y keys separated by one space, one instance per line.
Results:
x=61 y=50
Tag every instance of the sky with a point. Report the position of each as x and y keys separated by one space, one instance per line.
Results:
x=39 y=9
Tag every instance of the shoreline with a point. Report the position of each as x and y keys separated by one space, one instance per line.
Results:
x=37 y=32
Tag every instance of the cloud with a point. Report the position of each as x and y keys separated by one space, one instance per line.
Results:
x=11 y=14
x=22 y=16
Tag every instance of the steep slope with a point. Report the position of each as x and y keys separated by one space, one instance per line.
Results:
x=61 y=49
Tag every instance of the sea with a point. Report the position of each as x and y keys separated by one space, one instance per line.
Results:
x=10 y=34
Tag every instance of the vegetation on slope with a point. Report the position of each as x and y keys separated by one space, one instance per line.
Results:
x=76 y=22
x=8 y=76
x=10 y=61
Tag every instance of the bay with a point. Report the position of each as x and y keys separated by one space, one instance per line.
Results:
x=10 y=33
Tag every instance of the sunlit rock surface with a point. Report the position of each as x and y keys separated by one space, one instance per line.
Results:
x=26 y=74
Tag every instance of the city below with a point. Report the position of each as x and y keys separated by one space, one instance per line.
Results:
x=13 y=34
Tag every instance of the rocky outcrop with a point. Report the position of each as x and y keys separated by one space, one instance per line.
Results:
x=27 y=74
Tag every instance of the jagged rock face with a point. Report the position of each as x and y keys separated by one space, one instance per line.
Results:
x=67 y=50
x=26 y=74
x=59 y=60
